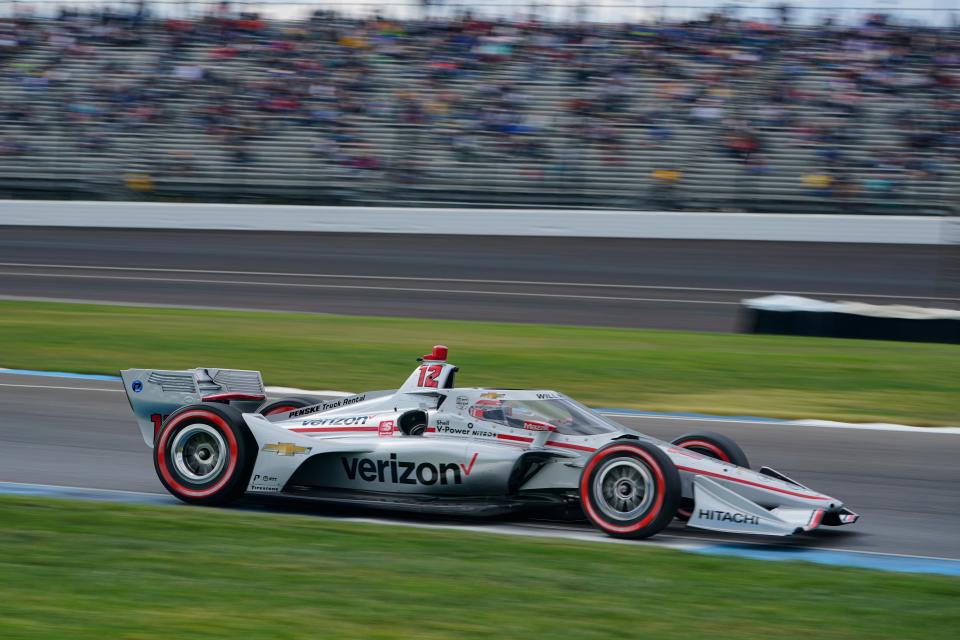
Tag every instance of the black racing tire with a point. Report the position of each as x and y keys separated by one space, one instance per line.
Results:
x=204 y=454
x=712 y=445
x=273 y=407
x=611 y=495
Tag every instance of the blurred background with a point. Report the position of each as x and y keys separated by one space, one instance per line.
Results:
x=775 y=107
x=552 y=189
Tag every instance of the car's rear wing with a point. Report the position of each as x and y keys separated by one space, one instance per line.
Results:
x=155 y=394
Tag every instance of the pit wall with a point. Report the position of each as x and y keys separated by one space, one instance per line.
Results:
x=502 y=222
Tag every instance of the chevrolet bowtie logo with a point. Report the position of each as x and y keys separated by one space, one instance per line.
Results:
x=285 y=448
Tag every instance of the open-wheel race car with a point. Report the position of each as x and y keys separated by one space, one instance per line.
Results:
x=430 y=446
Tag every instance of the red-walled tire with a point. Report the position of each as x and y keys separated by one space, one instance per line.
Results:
x=712 y=445
x=204 y=454
x=630 y=489
x=273 y=407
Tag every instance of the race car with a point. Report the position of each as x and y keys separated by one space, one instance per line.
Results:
x=431 y=446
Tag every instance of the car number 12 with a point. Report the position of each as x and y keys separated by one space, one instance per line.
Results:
x=428 y=375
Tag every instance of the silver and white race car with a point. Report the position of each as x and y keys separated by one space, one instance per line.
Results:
x=430 y=446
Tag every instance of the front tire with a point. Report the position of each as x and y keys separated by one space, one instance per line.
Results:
x=630 y=489
x=204 y=454
x=712 y=445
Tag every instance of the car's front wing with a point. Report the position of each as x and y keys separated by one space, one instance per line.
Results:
x=720 y=509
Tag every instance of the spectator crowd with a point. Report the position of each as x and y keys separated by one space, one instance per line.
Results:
x=711 y=112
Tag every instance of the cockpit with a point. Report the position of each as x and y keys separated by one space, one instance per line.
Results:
x=568 y=416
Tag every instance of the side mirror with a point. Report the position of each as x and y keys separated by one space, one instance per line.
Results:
x=541 y=432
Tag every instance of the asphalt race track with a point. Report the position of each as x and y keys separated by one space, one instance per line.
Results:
x=81 y=433
x=672 y=284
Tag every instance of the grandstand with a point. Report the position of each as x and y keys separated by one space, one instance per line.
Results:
x=716 y=114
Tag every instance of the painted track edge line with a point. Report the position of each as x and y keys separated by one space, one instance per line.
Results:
x=106 y=378
x=838 y=558
x=59 y=374
x=610 y=411
x=803 y=422
x=89 y=493
x=850 y=559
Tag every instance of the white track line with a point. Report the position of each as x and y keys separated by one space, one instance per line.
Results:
x=830 y=424
x=156 y=305
x=820 y=424
x=496 y=529
x=540 y=283
x=532 y=529
x=308 y=285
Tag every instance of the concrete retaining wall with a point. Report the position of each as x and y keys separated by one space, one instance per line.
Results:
x=512 y=222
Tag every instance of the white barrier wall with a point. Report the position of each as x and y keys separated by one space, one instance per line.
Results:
x=504 y=222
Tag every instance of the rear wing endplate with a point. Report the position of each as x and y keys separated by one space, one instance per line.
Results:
x=155 y=394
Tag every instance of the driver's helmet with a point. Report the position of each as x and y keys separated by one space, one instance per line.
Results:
x=488 y=409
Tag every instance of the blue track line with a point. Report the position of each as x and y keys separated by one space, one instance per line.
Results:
x=838 y=558
x=856 y=559
x=60 y=374
x=84 y=493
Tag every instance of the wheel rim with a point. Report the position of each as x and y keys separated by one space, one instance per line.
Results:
x=623 y=488
x=198 y=452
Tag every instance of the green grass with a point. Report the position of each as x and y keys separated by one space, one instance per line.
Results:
x=93 y=570
x=777 y=376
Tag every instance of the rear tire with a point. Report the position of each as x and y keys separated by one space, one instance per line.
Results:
x=204 y=454
x=630 y=489
x=283 y=405
x=712 y=445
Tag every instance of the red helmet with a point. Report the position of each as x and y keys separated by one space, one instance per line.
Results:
x=485 y=409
